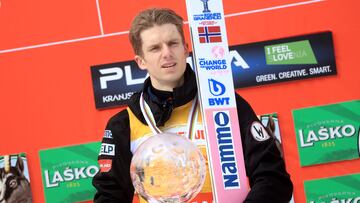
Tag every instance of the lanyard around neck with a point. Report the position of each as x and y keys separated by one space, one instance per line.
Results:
x=150 y=120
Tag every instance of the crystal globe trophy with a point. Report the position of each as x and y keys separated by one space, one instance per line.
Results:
x=168 y=168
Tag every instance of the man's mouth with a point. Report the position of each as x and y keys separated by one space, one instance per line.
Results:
x=168 y=65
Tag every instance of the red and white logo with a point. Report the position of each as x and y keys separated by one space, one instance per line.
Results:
x=209 y=34
x=105 y=165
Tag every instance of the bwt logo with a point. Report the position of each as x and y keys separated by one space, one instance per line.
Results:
x=217 y=89
x=116 y=73
x=226 y=149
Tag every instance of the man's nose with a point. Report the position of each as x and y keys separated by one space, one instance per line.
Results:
x=166 y=51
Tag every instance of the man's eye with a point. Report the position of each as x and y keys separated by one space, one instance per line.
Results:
x=173 y=43
x=154 y=49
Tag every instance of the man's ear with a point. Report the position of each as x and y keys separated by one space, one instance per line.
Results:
x=186 y=49
x=140 y=62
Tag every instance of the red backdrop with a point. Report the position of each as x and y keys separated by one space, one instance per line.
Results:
x=47 y=48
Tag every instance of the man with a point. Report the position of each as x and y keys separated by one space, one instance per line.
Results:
x=158 y=41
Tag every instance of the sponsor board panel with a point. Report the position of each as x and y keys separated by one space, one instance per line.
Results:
x=115 y=83
x=334 y=189
x=252 y=64
x=328 y=133
x=67 y=172
x=14 y=178
x=285 y=59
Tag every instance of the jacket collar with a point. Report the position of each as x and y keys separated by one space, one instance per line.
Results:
x=181 y=96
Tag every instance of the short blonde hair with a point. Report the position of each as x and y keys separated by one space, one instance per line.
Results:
x=149 y=18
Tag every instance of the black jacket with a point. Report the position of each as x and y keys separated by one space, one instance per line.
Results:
x=264 y=165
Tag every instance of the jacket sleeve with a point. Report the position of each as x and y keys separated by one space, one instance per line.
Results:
x=113 y=182
x=264 y=164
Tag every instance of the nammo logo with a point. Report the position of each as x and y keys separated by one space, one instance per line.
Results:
x=226 y=149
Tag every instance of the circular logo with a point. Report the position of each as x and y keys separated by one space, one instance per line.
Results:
x=218 y=52
x=259 y=132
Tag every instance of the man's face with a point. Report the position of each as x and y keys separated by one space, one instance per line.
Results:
x=164 y=56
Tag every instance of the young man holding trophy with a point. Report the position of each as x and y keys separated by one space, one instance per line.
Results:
x=168 y=103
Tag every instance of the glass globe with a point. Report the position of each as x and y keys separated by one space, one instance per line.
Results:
x=168 y=168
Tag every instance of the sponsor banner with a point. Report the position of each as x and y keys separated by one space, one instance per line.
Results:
x=217 y=98
x=251 y=64
x=284 y=59
x=114 y=83
x=14 y=179
x=67 y=172
x=334 y=189
x=328 y=133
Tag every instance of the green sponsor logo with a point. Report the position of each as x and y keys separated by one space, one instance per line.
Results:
x=299 y=52
x=67 y=172
x=333 y=190
x=328 y=133
x=325 y=134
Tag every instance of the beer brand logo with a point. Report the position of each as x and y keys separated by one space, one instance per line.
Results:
x=258 y=132
x=323 y=134
x=53 y=179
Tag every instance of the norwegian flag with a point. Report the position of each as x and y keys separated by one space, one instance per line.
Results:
x=209 y=34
